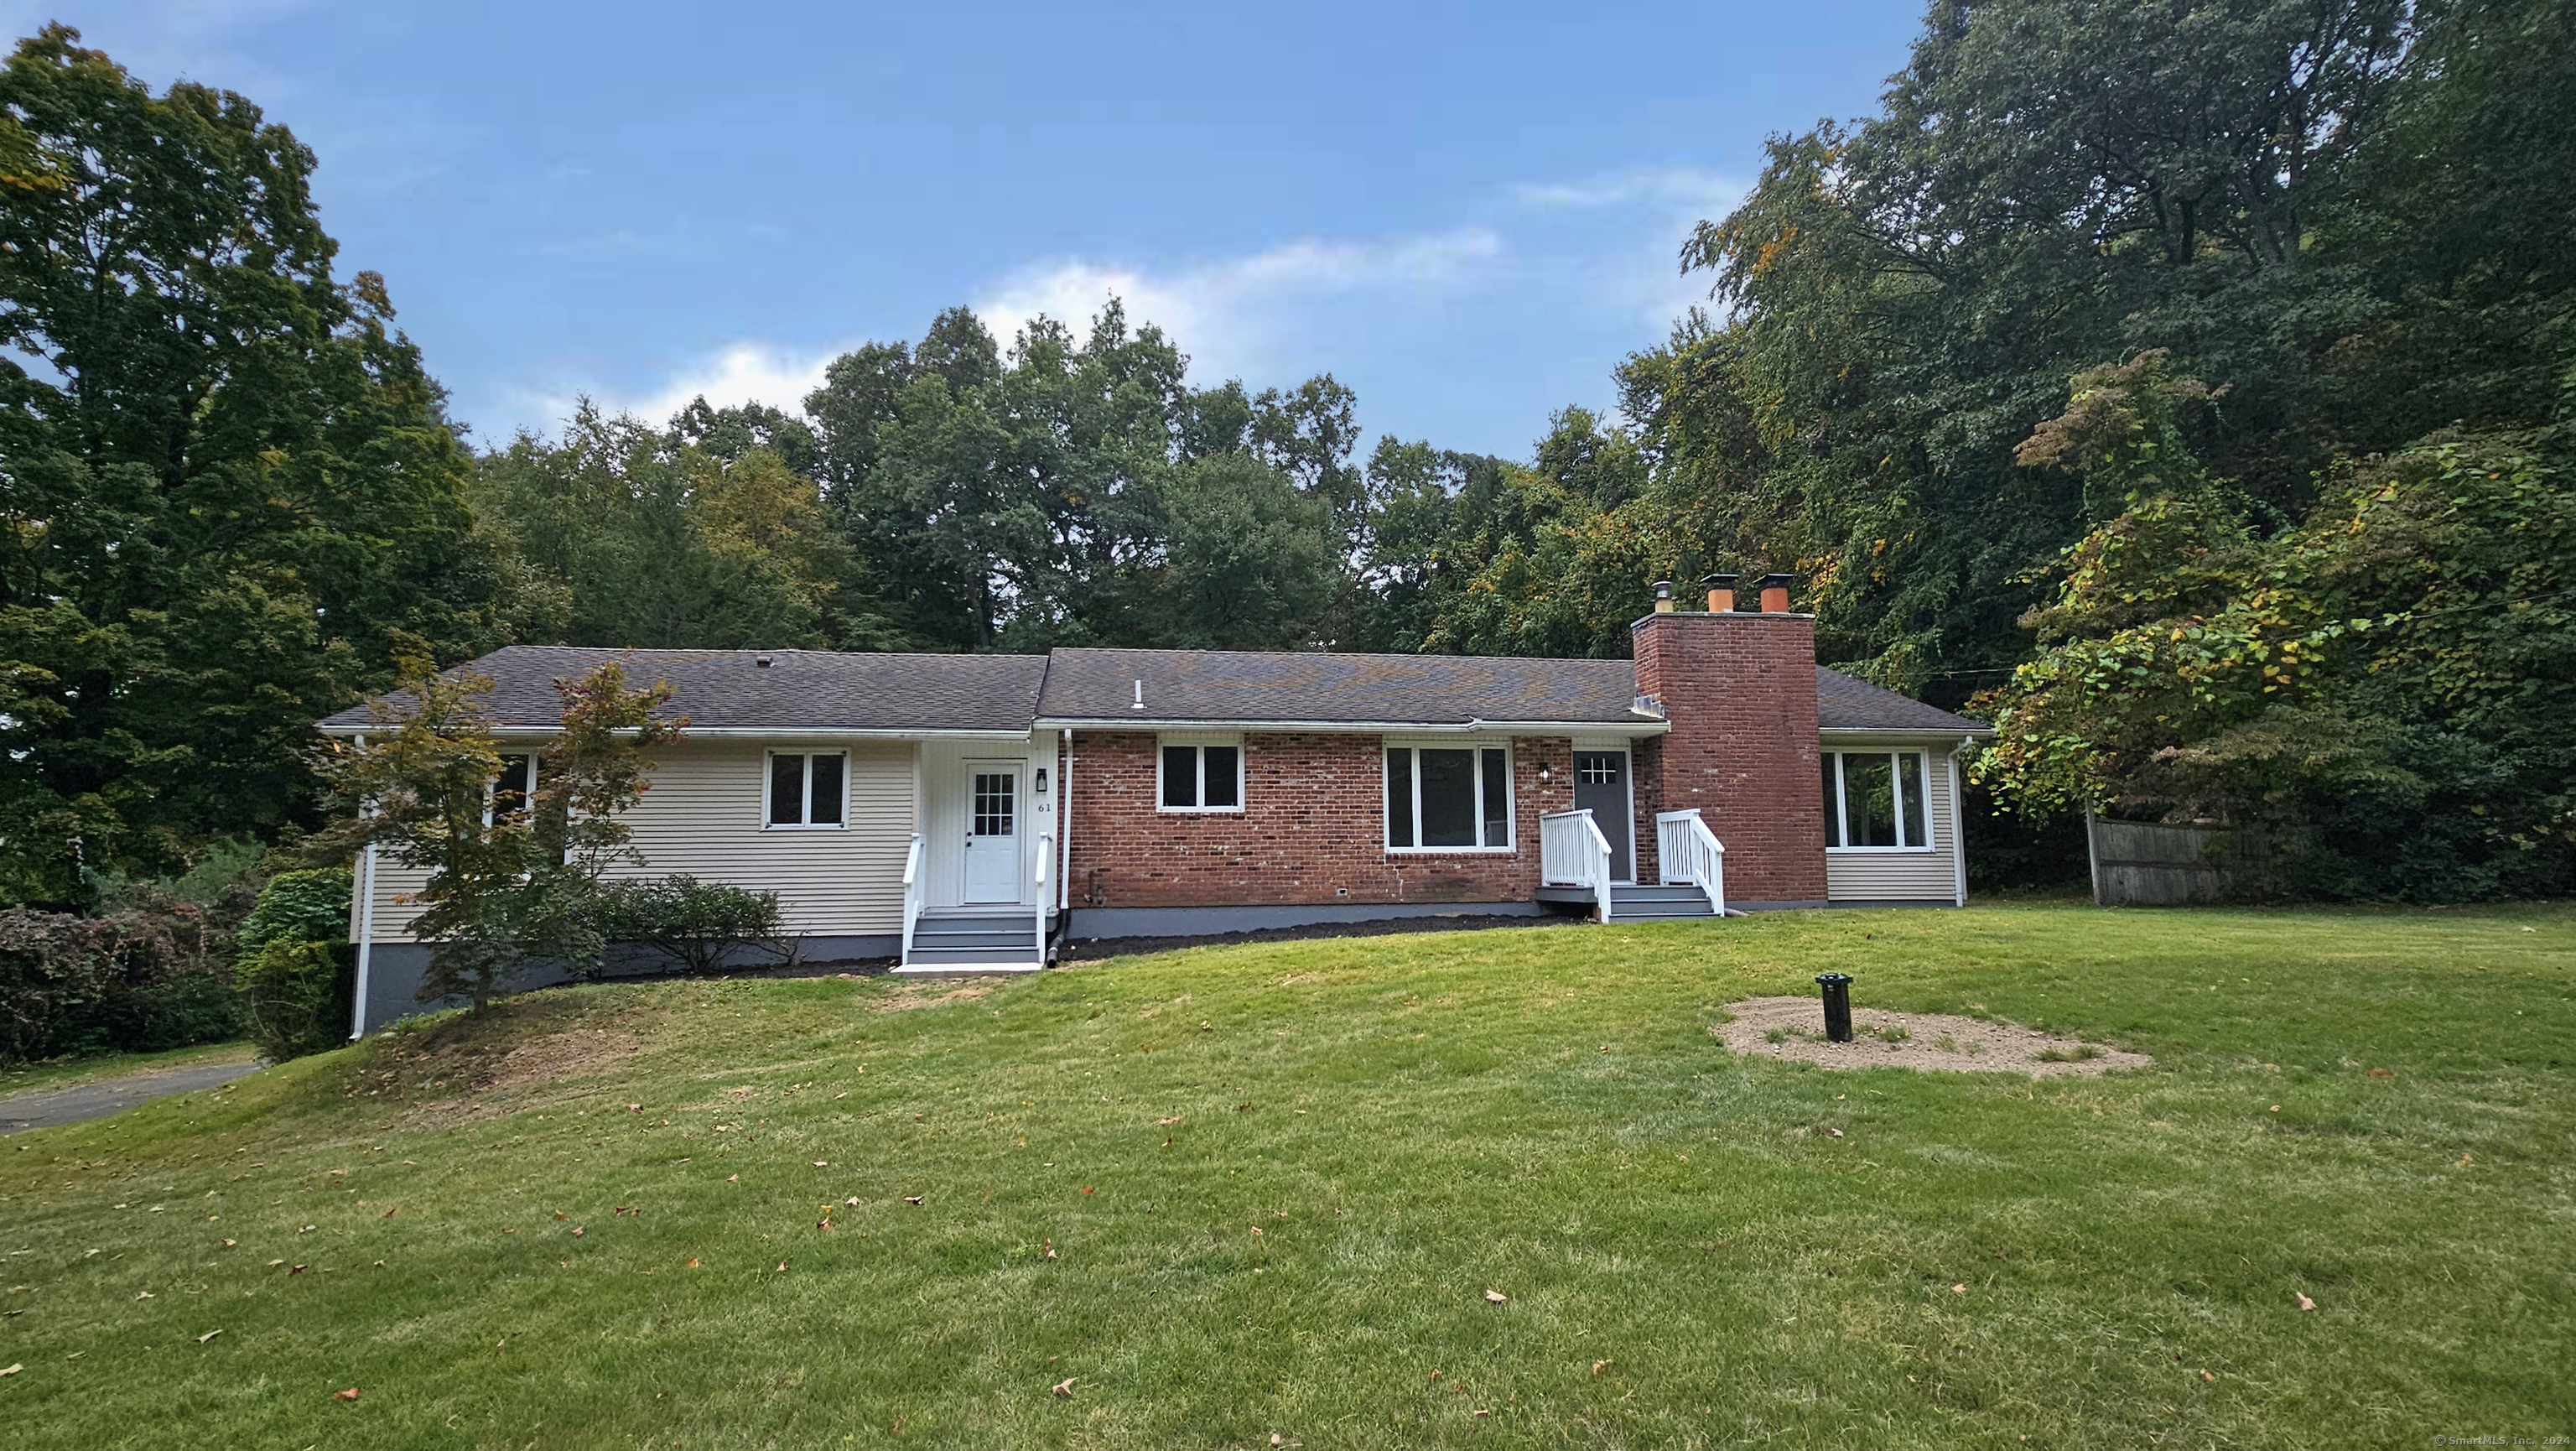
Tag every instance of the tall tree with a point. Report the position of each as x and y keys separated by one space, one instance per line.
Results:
x=229 y=490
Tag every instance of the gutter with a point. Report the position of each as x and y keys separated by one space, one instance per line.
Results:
x=1370 y=728
x=749 y=733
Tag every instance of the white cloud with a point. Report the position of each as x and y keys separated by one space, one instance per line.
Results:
x=746 y=372
x=1228 y=314
x=1668 y=187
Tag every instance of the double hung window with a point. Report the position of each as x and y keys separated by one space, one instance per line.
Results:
x=513 y=791
x=1200 y=777
x=806 y=788
x=1448 y=798
x=1875 y=801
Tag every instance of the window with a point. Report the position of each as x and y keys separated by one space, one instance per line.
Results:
x=1203 y=777
x=1874 y=801
x=1448 y=798
x=513 y=790
x=806 y=790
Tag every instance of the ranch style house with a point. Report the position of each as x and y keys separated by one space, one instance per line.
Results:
x=973 y=812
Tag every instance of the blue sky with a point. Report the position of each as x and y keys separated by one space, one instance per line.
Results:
x=1468 y=213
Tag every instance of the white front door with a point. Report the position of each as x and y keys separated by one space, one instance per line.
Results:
x=992 y=831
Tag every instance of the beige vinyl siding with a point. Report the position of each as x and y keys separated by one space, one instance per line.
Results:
x=1904 y=876
x=703 y=817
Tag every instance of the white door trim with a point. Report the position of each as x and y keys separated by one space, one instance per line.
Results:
x=1013 y=886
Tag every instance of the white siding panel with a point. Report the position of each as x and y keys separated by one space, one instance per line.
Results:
x=1905 y=876
x=703 y=817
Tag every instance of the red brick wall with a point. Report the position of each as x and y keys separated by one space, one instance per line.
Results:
x=1740 y=692
x=1313 y=828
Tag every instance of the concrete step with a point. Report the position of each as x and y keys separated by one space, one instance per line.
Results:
x=944 y=936
x=1024 y=952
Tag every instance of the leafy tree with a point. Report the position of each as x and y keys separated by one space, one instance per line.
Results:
x=506 y=886
x=1250 y=562
x=227 y=489
x=2385 y=692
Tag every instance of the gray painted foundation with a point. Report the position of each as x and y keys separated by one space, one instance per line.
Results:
x=394 y=970
x=1095 y=922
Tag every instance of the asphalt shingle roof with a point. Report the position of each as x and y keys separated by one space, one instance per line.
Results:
x=825 y=690
x=1846 y=704
x=797 y=690
x=1232 y=686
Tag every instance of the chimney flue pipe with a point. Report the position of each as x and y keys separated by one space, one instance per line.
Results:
x=1721 y=592
x=1775 y=594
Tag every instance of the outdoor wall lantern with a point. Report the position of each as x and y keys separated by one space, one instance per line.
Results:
x=1546 y=773
x=1042 y=780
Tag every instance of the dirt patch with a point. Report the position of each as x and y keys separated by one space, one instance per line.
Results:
x=1793 y=1029
x=924 y=995
x=473 y=1065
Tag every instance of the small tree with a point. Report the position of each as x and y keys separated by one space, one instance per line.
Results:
x=507 y=885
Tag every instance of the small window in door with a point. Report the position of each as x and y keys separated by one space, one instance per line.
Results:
x=807 y=788
x=996 y=804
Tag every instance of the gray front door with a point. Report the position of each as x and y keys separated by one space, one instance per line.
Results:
x=1601 y=787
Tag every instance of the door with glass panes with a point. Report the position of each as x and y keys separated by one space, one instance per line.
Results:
x=1601 y=787
x=992 y=831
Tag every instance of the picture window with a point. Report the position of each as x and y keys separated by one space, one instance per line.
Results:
x=1875 y=801
x=1448 y=798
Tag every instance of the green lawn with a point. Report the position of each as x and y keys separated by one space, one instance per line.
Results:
x=2374 y=1109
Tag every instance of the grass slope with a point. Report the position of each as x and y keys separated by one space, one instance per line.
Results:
x=1365 y=1137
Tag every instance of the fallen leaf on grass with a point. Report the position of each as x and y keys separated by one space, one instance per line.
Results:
x=733 y=1178
x=389 y=1214
x=1833 y=1133
x=852 y=1201
x=1062 y=1388
x=1492 y=1297
x=1958 y=1289
x=634 y=1108
x=822 y=1163
x=578 y=1231
x=273 y=1264
x=1164 y=1123
x=350 y=1394
x=209 y=1335
x=228 y=1244
x=782 y=1267
x=914 y=1199
x=1050 y=1249
x=146 y=1295
x=1600 y=1366
x=2304 y=1302
x=693 y=1262
x=2381 y=1073
x=2206 y=1376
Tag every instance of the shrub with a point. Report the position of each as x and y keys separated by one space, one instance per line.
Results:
x=694 y=925
x=307 y=906
x=291 y=999
x=288 y=976
x=143 y=977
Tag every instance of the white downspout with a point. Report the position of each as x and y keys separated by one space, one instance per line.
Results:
x=1959 y=824
x=366 y=927
x=1064 y=822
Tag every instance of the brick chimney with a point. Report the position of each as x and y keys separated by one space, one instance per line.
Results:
x=1740 y=691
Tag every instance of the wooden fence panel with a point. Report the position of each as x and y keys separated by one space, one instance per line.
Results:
x=2146 y=864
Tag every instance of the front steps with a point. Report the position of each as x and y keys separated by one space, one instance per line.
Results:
x=974 y=940
x=1658 y=904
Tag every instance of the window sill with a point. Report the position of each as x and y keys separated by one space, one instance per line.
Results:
x=1881 y=850
x=1198 y=811
x=1451 y=850
x=805 y=826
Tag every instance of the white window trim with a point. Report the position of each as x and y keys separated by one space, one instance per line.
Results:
x=1198 y=742
x=528 y=785
x=1842 y=794
x=805 y=798
x=1511 y=790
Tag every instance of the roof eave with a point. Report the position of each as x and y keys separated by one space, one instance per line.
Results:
x=1365 y=727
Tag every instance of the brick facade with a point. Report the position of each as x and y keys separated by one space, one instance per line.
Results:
x=1740 y=691
x=1312 y=829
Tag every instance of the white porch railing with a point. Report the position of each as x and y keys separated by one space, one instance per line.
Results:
x=1691 y=855
x=1572 y=852
x=1037 y=929
x=914 y=889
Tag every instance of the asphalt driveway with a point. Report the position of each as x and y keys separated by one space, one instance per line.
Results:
x=51 y=1107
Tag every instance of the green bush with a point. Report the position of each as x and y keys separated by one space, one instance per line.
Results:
x=288 y=978
x=696 y=926
x=306 y=906
x=290 y=997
